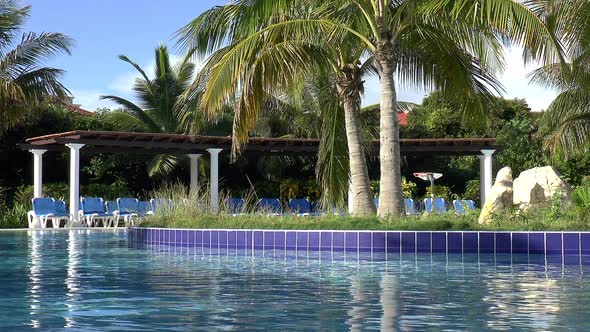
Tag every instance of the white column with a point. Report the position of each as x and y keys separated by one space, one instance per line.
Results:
x=214 y=178
x=194 y=172
x=38 y=172
x=74 y=179
x=487 y=170
x=350 y=197
x=482 y=187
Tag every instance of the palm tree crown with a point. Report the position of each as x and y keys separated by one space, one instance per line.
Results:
x=567 y=120
x=449 y=45
x=24 y=83
x=157 y=111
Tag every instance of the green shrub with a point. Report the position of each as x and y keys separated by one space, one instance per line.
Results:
x=15 y=217
x=409 y=188
x=441 y=191
x=106 y=191
x=581 y=197
x=192 y=211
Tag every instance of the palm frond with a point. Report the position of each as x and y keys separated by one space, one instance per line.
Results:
x=140 y=114
x=162 y=164
x=34 y=49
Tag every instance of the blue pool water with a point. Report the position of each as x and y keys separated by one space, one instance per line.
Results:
x=92 y=280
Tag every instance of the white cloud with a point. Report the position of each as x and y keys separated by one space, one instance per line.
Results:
x=517 y=85
x=124 y=83
x=514 y=79
x=121 y=86
x=90 y=99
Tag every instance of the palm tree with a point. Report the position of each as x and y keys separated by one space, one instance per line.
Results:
x=25 y=84
x=416 y=42
x=228 y=26
x=431 y=50
x=566 y=122
x=453 y=46
x=157 y=111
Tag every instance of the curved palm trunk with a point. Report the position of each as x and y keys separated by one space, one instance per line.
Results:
x=390 y=187
x=349 y=94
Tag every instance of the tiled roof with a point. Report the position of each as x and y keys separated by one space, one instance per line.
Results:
x=116 y=141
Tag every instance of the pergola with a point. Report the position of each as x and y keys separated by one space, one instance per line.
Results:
x=195 y=146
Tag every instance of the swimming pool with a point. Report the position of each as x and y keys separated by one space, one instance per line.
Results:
x=95 y=280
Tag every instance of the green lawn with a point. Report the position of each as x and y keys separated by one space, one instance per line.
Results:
x=540 y=220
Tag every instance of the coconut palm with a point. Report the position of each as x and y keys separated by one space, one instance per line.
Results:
x=265 y=46
x=415 y=42
x=213 y=29
x=344 y=69
x=157 y=111
x=566 y=122
x=24 y=82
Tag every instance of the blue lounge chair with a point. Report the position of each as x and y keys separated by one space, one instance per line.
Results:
x=315 y=207
x=128 y=210
x=236 y=206
x=438 y=206
x=300 y=206
x=47 y=208
x=145 y=209
x=61 y=214
x=410 y=207
x=112 y=207
x=316 y=210
x=159 y=204
x=270 y=206
x=92 y=210
x=462 y=206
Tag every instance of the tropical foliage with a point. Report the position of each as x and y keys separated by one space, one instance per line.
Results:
x=24 y=82
x=433 y=44
x=256 y=63
x=567 y=120
x=157 y=111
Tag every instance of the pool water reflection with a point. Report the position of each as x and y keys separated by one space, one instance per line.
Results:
x=96 y=281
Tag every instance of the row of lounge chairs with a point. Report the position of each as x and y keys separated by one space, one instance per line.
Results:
x=93 y=212
x=438 y=205
x=303 y=207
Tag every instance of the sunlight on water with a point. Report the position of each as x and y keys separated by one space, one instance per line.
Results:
x=95 y=281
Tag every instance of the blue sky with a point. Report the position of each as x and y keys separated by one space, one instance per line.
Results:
x=106 y=28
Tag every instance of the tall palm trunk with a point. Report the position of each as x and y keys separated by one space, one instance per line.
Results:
x=390 y=187
x=349 y=87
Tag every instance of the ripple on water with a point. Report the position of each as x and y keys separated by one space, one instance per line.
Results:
x=94 y=281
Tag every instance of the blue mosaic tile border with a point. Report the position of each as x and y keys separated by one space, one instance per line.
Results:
x=546 y=243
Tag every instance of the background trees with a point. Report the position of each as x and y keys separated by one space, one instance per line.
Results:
x=157 y=111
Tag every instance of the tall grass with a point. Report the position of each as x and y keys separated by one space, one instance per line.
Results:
x=192 y=210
